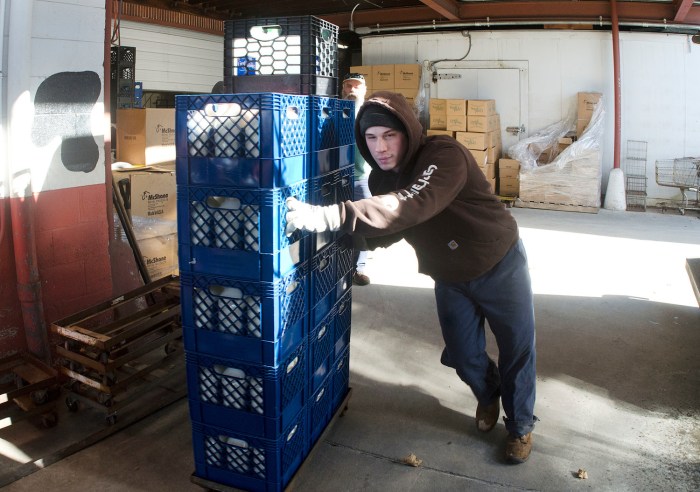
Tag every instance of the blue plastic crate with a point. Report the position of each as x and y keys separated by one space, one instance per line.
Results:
x=345 y=122
x=344 y=255
x=322 y=123
x=257 y=400
x=322 y=162
x=326 y=304
x=226 y=317
x=346 y=156
x=250 y=463
x=229 y=230
x=281 y=46
x=323 y=272
x=319 y=410
x=343 y=184
x=256 y=140
x=341 y=378
x=321 y=342
x=343 y=321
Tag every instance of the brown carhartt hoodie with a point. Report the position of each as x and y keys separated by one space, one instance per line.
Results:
x=439 y=201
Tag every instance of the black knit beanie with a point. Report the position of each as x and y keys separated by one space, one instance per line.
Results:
x=375 y=115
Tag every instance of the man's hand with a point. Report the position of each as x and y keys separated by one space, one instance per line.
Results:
x=312 y=218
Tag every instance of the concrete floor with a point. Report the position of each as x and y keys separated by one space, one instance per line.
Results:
x=618 y=381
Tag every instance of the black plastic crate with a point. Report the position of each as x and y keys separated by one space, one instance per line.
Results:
x=122 y=54
x=303 y=84
x=280 y=46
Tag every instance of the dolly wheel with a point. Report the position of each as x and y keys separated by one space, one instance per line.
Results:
x=39 y=397
x=72 y=404
x=49 y=420
x=111 y=419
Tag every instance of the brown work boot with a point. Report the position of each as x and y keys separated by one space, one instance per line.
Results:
x=360 y=279
x=518 y=448
x=487 y=415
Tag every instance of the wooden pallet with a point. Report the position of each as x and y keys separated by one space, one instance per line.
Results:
x=564 y=207
x=117 y=351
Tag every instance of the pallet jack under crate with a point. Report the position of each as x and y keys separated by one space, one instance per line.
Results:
x=120 y=350
x=31 y=391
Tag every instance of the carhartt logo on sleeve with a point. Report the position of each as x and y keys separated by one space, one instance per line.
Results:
x=453 y=245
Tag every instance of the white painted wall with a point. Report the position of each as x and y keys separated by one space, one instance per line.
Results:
x=659 y=79
x=170 y=59
x=65 y=36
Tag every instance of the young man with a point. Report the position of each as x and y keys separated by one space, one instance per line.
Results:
x=355 y=89
x=430 y=192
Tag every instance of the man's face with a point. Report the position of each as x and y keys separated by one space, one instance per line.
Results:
x=354 y=90
x=387 y=146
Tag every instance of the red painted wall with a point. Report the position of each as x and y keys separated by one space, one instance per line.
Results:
x=11 y=326
x=72 y=245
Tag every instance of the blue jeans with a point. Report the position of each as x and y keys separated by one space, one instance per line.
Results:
x=503 y=296
x=360 y=191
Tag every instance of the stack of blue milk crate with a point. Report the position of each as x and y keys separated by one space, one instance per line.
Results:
x=266 y=316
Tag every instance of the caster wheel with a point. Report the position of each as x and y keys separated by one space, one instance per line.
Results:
x=39 y=397
x=72 y=404
x=111 y=419
x=49 y=420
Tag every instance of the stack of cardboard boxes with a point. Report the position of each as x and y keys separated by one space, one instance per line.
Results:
x=401 y=78
x=508 y=177
x=146 y=142
x=475 y=124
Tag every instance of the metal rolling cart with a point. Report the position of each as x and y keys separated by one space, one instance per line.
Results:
x=682 y=173
x=31 y=390
x=120 y=350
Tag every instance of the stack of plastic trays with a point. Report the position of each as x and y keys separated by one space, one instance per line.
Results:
x=331 y=168
x=245 y=284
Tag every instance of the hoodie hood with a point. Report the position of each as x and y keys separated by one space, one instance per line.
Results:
x=397 y=105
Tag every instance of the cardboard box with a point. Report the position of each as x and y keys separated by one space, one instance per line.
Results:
x=483 y=124
x=407 y=76
x=149 y=192
x=410 y=94
x=160 y=255
x=432 y=132
x=382 y=77
x=493 y=154
x=476 y=141
x=492 y=182
x=489 y=170
x=146 y=136
x=586 y=104
x=508 y=164
x=479 y=156
x=437 y=107
x=366 y=71
x=509 y=186
x=481 y=107
x=457 y=123
x=438 y=122
x=456 y=107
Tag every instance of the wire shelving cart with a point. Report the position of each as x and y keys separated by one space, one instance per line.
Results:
x=682 y=173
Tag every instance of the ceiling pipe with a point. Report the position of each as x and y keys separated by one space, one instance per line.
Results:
x=488 y=24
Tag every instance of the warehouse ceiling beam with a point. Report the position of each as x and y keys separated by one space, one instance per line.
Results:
x=682 y=8
x=446 y=8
